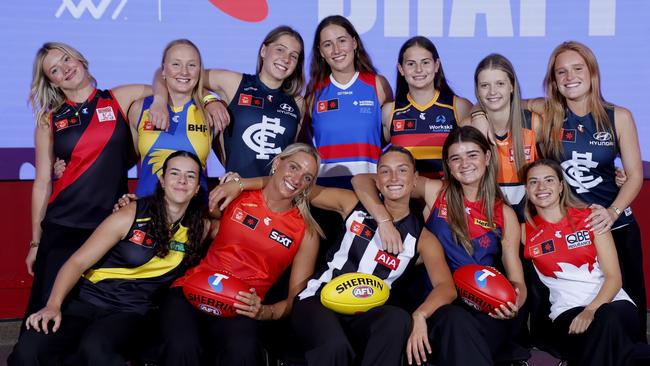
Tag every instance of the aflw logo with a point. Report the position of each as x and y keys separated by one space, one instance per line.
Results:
x=96 y=11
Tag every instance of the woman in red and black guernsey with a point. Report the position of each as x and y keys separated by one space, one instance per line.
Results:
x=121 y=272
x=245 y=247
x=87 y=128
x=594 y=320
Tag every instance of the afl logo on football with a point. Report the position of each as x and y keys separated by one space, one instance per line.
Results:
x=362 y=292
x=482 y=276
x=602 y=136
x=209 y=309
x=287 y=108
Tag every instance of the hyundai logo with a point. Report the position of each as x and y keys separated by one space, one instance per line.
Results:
x=287 y=108
x=602 y=136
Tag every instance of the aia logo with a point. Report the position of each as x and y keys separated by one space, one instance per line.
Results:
x=362 y=292
x=249 y=11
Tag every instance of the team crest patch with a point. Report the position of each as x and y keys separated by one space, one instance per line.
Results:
x=65 y=123
x=404 y=124
x=249 y=100
x=541 y=249
x=362 y=230
x=245 y=219
x=106 y=114
x=568 y=135
x=327 y=105
x=139 y=237
x=442 y=211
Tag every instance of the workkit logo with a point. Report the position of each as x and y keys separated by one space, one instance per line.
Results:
x=77 y=8
x=249 y=11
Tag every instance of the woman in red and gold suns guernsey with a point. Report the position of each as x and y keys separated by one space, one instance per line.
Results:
x=594 y=319
x=88 y=129
x=244 y=246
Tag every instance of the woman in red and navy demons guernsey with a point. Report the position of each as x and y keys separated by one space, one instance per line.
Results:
x=344 y=99
x=594 y=320
x=586 y=134
x=467 y=214
x=425 y=108
x=378 y=336
x=88 y=129
x=245 y=247
x=124 y=266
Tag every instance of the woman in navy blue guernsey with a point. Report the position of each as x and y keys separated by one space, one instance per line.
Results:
x=122 y=270
x=586 y=134
x=88 y=129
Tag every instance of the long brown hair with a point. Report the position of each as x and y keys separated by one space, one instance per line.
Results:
x=439 y=80
x=556 y=105
x=43 y=96
x=193 y=218
x=319 y=69
x=197 y=91
x=567 y=198
x=294 y=83
x=302 y=200
x=516 y=119
x=488 y=194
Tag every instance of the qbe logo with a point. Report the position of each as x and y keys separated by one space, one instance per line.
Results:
x=77 y=8
x=578 y=239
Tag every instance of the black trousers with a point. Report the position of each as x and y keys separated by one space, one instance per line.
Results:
x=57 y=245
x=191 y=337
x=609 y=340
x=377 y=337
x=630 y=258
x=88 y=336
x=462 y=336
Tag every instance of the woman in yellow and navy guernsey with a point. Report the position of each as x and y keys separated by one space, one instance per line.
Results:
x=425 y=109
x=132 y=256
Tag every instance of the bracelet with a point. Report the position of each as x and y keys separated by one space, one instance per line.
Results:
x=616 y=210
x=34 y=244
x=209 y=98
x=477 y=113
x=384 y=220
x=241 y=185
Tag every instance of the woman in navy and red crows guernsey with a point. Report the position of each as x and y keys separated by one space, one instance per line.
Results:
x=586 y=134
x=344 y=98
x=594 y=320
x=425 y=108
x=87 y=128
x=125 y=266
x=469 y=217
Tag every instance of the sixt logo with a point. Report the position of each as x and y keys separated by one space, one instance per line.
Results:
x=96 y=11
x=281 y=238
x=362 y=292
x=481 y=277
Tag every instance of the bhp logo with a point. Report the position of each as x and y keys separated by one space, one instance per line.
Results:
x=248 y=11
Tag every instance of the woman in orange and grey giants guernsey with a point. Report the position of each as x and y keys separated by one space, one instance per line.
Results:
x=502 y=119
x=87 y=128
x=425 y=108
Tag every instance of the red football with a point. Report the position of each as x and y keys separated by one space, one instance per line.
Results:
x=483 y=287
x=214 y=292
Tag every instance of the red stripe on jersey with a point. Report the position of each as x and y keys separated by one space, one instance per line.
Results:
x=419 y=139
x=349 y=151
x=88 y=148
x=370 y=79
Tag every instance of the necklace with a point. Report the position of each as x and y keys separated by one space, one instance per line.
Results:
x=173 y=227
x=76 y=110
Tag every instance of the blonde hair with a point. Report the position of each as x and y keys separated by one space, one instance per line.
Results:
x=488 y=194
x=555 y=105
x=197 y=91
x=302 y=200
x=43 y=96
x=516 y=119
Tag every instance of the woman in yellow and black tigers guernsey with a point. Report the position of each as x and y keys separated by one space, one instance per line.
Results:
x=132 y=256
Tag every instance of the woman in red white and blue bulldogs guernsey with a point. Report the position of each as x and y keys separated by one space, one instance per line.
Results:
x=594 y=319
x=88 y=129
x=378 y=336
x=586 y=134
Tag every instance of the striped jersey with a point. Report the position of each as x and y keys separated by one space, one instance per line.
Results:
x=130 y=275
x=359 y=250
x=187 y=131
x=422 y=129
x=94 y=139
x=346 y=120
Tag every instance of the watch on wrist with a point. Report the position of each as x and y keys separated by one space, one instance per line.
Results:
x=616 y=210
